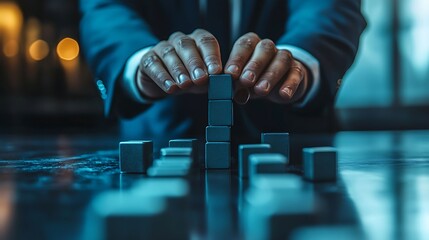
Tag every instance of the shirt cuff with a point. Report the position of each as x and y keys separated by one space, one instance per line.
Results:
x=129 y=76
x=312 y=64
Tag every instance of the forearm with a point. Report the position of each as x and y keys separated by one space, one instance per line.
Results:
x=330 y=31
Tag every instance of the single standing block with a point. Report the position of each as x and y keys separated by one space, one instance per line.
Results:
x=220 y=113
x=187 y=143
x=135 y=156
x=267 y=163
x=244 y=151
x=218 y=155
x=220 y=87
x=279 y=142
x=218 y=134
x=320 y=163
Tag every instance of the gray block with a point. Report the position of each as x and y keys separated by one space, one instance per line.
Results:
x=266 y=163
x=189 y=143
x=244 y=151
x=218 y=155
x=220 y=113
x=320 y=163
x=218 y=134
x=220 y=87
x=279 y=142
x=135 y=156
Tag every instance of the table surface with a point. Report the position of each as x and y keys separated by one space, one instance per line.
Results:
x=47 y=183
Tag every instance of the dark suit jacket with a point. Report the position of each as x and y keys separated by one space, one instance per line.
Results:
x=113 y=30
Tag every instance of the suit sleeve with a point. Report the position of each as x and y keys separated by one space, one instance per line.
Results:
x=111 y=32
x=330 y=31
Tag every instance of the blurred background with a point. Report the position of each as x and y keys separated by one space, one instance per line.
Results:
x=44 y=80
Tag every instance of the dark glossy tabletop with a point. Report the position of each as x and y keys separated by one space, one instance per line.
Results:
x=47 y=183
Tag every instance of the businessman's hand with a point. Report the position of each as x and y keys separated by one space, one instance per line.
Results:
x=180 y=64
x=265 y=71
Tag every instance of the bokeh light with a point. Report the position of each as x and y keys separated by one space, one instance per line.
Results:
x=38 y=50
x=11 y=48
x=68 y=49
x=10 y=17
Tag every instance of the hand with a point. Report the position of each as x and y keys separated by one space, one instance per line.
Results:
x=180 y=64
x=266 y=71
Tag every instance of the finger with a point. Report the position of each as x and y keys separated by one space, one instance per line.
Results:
x=277 y=69
x=241 y=53
x=209 y=49
x=187 y=51
x=264 y=52
x=295 y=77
x=152 y=66
x=175 y=67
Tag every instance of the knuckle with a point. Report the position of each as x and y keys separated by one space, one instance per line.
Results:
x=252 y=35
x=246 y=42
x=211 y=58
x=270 y=75
x=149 y=60
x=167 y=51
x=194 y=62
x=267 y=45
x=207 y=39
x=199 y=31
x=185 y=42
x=176 y=34
x=285 y=56
x=177 y=68
x=254 y=65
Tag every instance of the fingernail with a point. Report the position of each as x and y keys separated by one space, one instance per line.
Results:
x=264 y=85
x=183 y=78
x=168 y=84
x=233 y=69
x=199 y=73
x=249 y=76
x=287 y=91
x=213 y=68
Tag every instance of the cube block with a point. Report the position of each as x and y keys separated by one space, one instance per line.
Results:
x=320 y=163
x=244 y=151
x=218 y=155
x=218 y=134
x=135 y=156
x=220 y=113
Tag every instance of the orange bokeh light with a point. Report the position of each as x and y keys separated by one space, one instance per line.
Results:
x=68 y=49
x=38 y=50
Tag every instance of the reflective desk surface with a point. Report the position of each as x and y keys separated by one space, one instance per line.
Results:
x=47 y=183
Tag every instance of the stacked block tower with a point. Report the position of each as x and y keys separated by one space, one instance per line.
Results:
x=220 y=119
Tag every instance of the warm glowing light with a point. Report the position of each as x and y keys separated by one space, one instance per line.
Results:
x=10 y=17
x=38 y=50
x=11 y=48
x=68 y=49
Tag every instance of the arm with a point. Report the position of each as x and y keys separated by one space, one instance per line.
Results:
x=328 y=30
x=111 y=31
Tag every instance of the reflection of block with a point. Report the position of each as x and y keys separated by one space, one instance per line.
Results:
x=218 y=155
x=279 y=142
x=120 y=215
x=266 y=163
x=220 y=87
x=135 y=156
x=320 y=163
x=220 y=113
x=218 y=134
x=244 y=151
